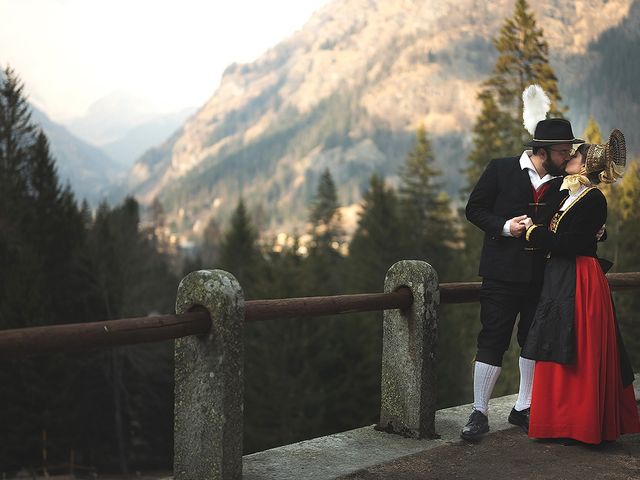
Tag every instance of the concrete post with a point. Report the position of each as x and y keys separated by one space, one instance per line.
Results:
x=408 y=353
x=209 y=381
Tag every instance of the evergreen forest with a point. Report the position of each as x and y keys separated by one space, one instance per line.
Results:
x=111 y=410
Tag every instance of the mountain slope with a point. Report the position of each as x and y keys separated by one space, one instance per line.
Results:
x=89 y=170
x=135 y=141
x=347 y=92
x=606 y=81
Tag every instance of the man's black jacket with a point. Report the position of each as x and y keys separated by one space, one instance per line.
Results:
x=504 y=191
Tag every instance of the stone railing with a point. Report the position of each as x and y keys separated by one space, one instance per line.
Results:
x=208 y=328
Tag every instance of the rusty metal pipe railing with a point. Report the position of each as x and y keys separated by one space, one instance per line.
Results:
x=468 y=292
x=71 y=337
x=258 y=310
x=24 y=342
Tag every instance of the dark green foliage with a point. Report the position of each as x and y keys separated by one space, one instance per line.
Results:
x=607 y=85
x=307 y=377
x=592 y=133
x=211 y=240
x=239 y=252
x=427 y=230
x=621 y=247
x=523 y=59
x=490 y=138
x=113 y=408
x=304 y=377
x=325 y=216
x=374 y=246
x=16 y=137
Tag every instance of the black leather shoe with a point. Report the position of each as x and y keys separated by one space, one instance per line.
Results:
x=520 y=419
x=477 y=425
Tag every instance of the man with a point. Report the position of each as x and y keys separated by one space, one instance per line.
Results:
x=510 y=190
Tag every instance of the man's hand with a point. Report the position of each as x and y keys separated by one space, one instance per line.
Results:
x=516 y=226
x=600 y=233
x=527 y=223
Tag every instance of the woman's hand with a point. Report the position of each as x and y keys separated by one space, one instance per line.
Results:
x=527 y=222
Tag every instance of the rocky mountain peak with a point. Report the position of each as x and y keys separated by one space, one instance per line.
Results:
x=347 y=92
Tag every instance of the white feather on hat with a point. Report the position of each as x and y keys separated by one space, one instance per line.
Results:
x=536 y=105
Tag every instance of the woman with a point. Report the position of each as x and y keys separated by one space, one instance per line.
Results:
x=583 y=382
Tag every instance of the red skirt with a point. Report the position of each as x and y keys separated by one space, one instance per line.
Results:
x=585 y=401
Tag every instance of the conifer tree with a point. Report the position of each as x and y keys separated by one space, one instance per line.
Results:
x=490 y=137
x=427 y=223
x=621 y=246
x=374 y=246
x=40 y=231
x=325 y=216
x=523 y=59
x=16 y=136
x=239 y=251
x=64 y=267
x=126 y=277
x=272 y=376
x=592 y=133
x=324 y=264
x=211 y=238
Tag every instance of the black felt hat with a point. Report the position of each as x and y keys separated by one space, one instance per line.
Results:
x=553 y=131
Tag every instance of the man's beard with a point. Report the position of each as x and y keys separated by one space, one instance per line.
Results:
x=552 y=169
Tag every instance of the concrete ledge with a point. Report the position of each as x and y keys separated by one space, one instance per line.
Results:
x=344 y=453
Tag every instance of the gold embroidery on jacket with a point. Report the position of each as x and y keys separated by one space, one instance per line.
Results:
x=555 y=221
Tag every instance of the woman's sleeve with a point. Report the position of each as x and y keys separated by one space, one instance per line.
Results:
x=581 y=236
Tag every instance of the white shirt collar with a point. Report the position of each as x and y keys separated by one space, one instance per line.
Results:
x=526 y=163
x=572 y=198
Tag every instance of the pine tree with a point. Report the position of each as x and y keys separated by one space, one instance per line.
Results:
x=427 y=223
x=373 y=249
x=39 y=238
x=16 y=137
x=239 y=250
x=64 y=267
x=621 y=246
x=523 y=59
x=374 y=246
x=211 y=239
x=592 y=133
x=324 y=263
x=325 y=215
x=126 y=277
x=490 y=137
x=272 y=376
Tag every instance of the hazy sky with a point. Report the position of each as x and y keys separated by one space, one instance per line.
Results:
x=70 y=53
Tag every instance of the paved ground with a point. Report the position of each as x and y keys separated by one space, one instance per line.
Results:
x=511 y=455
x=505 y=453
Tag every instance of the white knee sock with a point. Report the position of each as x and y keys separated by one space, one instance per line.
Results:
x=526 y=383
x=484 y=379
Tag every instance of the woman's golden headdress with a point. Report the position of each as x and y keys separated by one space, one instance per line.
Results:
x=607 y=159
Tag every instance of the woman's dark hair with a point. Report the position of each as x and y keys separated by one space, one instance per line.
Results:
x=583 y=149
